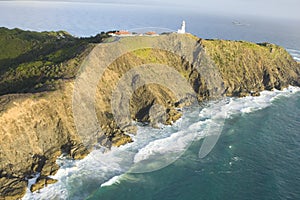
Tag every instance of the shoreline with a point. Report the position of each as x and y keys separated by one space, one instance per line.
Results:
x=267 y=97
x=46 y=121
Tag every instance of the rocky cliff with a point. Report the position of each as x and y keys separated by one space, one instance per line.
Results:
x=146 y=79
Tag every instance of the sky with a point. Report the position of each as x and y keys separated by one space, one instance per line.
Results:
x=284 y=9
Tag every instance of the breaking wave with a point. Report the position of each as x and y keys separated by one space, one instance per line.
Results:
x=295 y=54
x=78 y=179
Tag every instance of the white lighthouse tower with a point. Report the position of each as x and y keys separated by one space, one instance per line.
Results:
x=182 y=30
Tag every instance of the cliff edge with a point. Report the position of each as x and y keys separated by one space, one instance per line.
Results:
x=148 y=78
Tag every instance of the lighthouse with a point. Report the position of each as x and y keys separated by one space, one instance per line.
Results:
x=182 y=30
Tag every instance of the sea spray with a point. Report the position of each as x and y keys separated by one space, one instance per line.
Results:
x=295 y=54
x=78 y=179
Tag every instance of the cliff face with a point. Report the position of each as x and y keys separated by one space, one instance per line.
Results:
x=247 y=67
x=35 y=130
x=147 y=78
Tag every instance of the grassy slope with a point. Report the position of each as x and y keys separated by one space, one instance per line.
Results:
x=34 y=61
x=245 y=65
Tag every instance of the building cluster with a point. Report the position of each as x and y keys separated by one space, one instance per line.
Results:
x=125 y=33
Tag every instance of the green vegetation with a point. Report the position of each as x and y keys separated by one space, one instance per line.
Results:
x=35 y=61
x=247 y=66
x=146 y=54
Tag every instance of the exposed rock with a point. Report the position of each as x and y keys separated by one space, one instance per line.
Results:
x=121 y=139
x=254 y=93
x=44 y=126
x=247 y=67
x=36 y=129
x=173 y=116
x=12 y=188
x=41 y=183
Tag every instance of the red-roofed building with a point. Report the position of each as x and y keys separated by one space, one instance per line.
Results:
x=123 y=32
x=151 y=33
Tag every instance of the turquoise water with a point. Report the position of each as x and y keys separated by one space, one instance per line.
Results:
x=257 y=157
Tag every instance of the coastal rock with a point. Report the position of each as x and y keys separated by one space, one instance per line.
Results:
x=34 y=132
x=247 y=67
x=41 y=183
x=37 y=128
x=12 y=188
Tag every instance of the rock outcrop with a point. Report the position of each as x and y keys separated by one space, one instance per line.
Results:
x=146 y=79
x=249 y=68
x=35 y=130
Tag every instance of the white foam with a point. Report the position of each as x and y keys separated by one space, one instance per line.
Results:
x=151 y=148
x=295 y=54
x=32 y=181
x=293 y=50
x=176 y=143
x=113 y=180
x=297 y=58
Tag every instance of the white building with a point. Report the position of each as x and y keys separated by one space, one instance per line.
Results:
x=182 y=30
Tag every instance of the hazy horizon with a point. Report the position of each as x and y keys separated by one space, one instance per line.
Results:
x=283 y=9
x=206 y=20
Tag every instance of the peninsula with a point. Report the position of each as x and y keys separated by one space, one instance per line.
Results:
x=39 y=73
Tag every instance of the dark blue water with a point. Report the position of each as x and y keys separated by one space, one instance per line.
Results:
x=257 y=157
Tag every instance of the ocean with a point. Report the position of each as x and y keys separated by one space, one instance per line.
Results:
x=257 y=153
x=257 y=157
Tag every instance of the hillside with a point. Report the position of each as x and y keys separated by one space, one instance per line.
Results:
x=33 y=62
x=146 y=79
